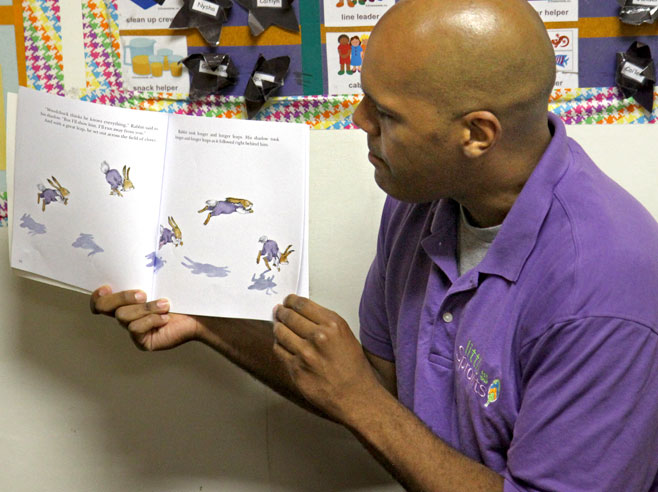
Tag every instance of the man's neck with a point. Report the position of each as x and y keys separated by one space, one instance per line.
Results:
x=501 y=180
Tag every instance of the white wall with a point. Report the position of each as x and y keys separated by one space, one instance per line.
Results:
x=83 y=410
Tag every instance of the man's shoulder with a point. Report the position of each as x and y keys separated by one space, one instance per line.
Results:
x=599 y=247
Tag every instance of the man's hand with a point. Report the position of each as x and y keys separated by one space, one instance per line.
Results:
x=324 y=359
x=150 y=324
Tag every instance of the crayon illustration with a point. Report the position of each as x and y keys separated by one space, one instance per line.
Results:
x=263 y=283
x=54 y=194
x=31 y=225
x=211 y=271
x=344 y=54
x=156 y=262
x=228 y=206
x=117 y=180
x=357 y=54
x=173 y=235
x=86 y=241
x=270 y=252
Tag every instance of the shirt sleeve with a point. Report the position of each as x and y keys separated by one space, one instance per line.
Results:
x=588 y=418
x=374 y=330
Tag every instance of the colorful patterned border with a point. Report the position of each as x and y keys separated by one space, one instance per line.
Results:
x=3 y=209
x=43 y=45
x=43 y=52
x=604 y=105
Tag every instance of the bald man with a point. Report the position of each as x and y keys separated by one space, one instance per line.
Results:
x=509 y=320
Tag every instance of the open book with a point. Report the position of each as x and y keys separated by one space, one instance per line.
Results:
x=211 y=213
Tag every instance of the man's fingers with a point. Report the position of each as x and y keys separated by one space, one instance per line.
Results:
x=100 y=292
x=103 y=301
x=127 y=314
x=147 y=323
x=296 y=322
x=287 y=339
x=308 y=309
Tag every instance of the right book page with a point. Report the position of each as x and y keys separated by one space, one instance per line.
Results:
x=232 y=217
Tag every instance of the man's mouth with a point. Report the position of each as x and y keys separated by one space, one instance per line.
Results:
x=375 y=159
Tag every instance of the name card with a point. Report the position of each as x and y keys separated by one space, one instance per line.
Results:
x=204 y=7
x=220 y=71
x=269 y=3
x=633 y=72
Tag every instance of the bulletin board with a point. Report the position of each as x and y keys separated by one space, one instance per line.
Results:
x=594 y=28
x=319 y=90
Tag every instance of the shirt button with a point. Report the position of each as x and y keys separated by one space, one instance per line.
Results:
x=447 y=317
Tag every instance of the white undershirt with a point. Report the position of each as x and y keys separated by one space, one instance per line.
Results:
x=472 y=243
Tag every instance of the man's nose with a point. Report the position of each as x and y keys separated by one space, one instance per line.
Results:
x=362 y=117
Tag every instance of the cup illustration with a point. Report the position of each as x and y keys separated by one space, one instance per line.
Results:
x=175 y=65
x=157 y=65
x=166 y=53
x=140 y=49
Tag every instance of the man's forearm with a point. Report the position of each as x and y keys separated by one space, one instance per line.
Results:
x=415 y=457
x=248 y=344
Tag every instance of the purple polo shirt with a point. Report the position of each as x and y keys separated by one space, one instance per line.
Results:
x=542 y=361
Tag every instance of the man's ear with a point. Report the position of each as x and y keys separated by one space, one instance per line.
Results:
x=481 y=132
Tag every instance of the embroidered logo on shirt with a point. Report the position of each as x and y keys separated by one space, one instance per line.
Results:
x=494 y=391
x=468 y=363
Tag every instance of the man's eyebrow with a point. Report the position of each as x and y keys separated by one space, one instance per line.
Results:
x=380 y=107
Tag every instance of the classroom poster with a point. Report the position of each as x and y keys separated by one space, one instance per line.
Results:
x=147 y=14
x=556 y=10
x=153 y=64
x=345 y=53
x=565 y=44
x=344 y=13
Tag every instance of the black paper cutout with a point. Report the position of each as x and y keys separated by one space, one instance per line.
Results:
x=206 y=16
x=267 y=77
x=636 y=74
x=260 y=17
x=210 y=73
x=632 y=13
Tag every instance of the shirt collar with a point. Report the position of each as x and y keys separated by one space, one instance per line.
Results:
x=520 y=229
x=518 y=233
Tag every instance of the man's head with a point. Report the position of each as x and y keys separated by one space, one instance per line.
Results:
x=449 y=87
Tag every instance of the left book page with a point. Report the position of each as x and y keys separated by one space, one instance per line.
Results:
x=87 y=186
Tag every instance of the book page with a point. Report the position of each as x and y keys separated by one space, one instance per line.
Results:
x=87 y=183
x=233 y=218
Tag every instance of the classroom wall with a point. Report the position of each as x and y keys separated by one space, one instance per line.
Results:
x=83 y=410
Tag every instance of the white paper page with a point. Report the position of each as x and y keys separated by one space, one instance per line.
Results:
x=100 y=235
x=214 y=270
x=12 y=101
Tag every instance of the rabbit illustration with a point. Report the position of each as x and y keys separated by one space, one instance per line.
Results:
x=228 y=206
x=270 y=252
x=113 y=178
x=283 y=259
x=49 y=195
x=173 y=235
x=116 y=180
x=127 y=184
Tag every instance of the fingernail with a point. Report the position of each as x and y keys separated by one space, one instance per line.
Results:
x=162 y=304
x=103 y=291
x=164 y=317
x=274 y=310
x=140 y=296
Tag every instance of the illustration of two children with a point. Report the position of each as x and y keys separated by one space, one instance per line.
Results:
x=350 y=54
